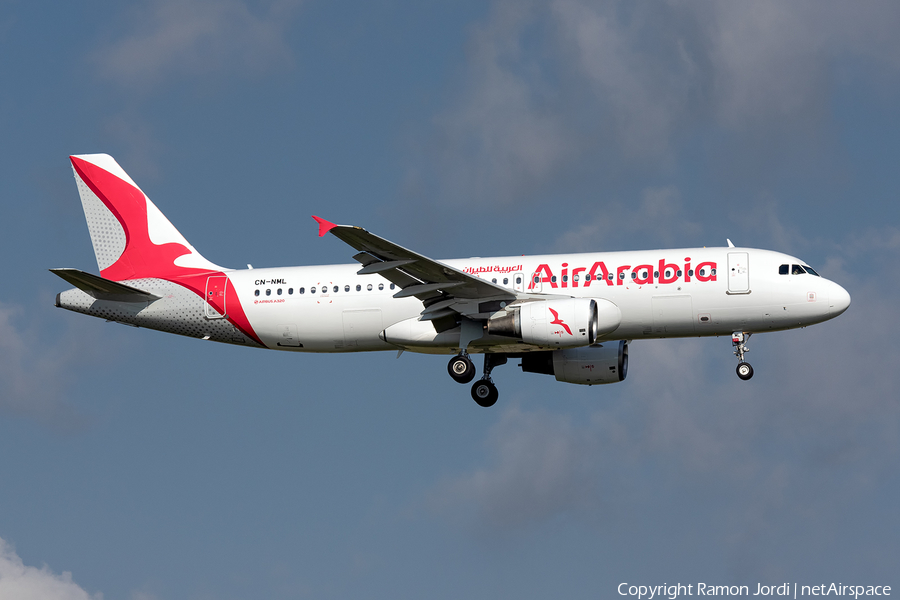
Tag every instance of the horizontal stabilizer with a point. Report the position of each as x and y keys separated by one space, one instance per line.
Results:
x=103 y=289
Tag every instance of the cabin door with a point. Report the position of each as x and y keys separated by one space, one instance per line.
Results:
x=215 y=296
x=738 y=273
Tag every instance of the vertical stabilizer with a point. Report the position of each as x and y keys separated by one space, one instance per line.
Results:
x=132 y=239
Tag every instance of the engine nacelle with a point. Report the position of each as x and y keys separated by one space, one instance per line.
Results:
x=593 y=365
x=565 y=323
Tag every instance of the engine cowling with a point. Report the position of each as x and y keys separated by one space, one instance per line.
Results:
x=565 y=323
x=592 y=365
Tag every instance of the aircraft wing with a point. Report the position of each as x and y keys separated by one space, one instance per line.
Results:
x=442 y=288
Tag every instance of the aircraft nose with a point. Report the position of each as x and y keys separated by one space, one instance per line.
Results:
x=838 y=299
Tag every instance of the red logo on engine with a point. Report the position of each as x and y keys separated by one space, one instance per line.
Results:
x=558 y=321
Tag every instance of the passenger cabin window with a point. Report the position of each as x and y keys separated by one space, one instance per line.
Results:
x=494 y=280
x=279 y=291
x=506 y=281
x=302 y=290
x=393 y=286
x=369 y=287
x=335 y=289
x=312 y=290
x=380 y=286
x=268 y=292
x=346 y=288
x=358 y=287
x=256 y=293
x=324 y=289
x=518 y=280
x=290 y=291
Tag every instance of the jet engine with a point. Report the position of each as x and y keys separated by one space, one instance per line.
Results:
x=569 y=322
x=592 y=365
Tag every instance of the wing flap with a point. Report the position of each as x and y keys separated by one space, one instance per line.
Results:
x=103 y=289
x=385 y=265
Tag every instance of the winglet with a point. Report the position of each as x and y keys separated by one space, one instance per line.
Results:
x=324 y=226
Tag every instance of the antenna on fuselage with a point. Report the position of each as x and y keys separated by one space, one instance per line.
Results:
x=730 y=245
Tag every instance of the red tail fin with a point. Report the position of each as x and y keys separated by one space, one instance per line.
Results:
x=132 y=238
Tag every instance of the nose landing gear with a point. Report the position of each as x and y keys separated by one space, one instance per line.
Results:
x=738 y=340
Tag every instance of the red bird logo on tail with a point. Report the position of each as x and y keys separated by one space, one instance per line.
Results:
x=557 y=321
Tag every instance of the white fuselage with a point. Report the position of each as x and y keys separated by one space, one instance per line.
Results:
x=330 y=308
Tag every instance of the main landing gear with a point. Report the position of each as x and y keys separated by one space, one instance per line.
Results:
x=462 y=370
x=485 y=393
x=738 y=339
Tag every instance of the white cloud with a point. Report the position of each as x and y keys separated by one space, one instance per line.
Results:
x=34 y=373
x=536 y=471
x=21 y=582
x=196 y=37
x=772 y=60
x=601 y=88
x=660 y=217
x=503 y=136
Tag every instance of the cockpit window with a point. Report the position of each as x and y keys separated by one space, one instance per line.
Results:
x=810 y=271
x=784 y=269
x=797 y=270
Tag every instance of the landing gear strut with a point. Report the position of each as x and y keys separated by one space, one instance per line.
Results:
x=738 y=339
x=484 y=392
x=461 y=368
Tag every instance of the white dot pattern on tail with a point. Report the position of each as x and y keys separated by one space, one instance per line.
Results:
x=107 y=233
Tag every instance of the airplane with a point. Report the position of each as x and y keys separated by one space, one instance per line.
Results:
x=571 y=316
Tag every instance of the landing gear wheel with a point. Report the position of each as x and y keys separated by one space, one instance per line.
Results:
x=744 y=371
x=485 y=393
x=461 y=369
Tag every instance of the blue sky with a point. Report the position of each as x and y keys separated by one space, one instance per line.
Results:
x=143 y=466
